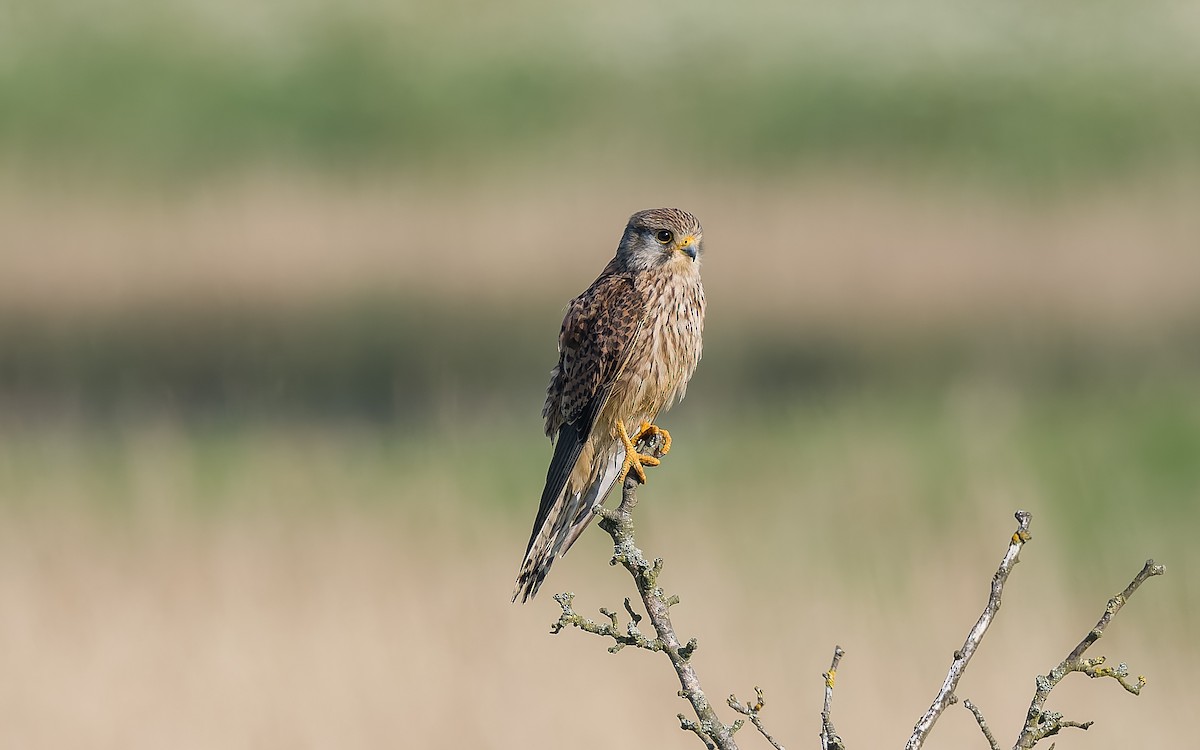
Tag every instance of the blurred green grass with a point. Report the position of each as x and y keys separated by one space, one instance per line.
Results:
x=236 y=564
x=1101 y=464
x=1027 y=93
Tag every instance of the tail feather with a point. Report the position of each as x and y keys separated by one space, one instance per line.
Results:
x=595 y=494
x=565 y=519
x=540 y=556
x=567 y=448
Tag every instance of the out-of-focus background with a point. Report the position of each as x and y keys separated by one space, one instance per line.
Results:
x=280 y=285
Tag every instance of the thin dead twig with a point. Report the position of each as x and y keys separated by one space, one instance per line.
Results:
x=945 y=697
x=983 y=725
x=829 y=736
x=752 y=711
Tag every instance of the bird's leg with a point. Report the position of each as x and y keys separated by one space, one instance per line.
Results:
x=633 y=459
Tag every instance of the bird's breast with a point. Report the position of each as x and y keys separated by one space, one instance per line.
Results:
x=667 y=350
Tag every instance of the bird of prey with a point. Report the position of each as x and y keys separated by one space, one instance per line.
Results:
x=627 y=348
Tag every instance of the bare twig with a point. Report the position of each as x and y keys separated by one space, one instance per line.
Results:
x=962 y=657
x=1039 y=723
x=618 y=523
x=983 y=726
x=1114 y=606
x=751 y=711
x=829 y=736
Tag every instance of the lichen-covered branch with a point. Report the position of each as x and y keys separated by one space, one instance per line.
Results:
x=829 y=736
x=1039 y=723
x=716 y=735
x=632 y=635
x=618 y=523
x=945 y=697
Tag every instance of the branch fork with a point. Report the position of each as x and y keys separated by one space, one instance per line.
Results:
x=618 y=522
x=716 y=735
x=1040 y=723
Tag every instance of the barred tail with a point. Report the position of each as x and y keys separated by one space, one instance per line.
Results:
x=564 y=519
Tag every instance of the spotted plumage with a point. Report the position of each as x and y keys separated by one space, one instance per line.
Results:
x=627 y=348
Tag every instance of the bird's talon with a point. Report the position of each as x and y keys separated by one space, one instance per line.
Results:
x=634 y=461
x=650 y=430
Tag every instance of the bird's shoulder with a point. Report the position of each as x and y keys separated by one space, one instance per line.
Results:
x=610 y=307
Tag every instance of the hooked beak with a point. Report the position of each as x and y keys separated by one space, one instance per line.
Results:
x=690 y=247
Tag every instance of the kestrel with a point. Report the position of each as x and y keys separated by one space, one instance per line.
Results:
x=628 y=346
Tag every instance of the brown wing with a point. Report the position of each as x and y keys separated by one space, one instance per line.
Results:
x=594 y=347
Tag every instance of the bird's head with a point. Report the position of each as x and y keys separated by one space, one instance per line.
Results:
x=661 y=237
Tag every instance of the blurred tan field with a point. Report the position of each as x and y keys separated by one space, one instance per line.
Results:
x=334 y=592
x=829 y=250
x=279 y=292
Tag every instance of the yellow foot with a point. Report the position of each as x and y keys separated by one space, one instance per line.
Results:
x=635 y=460
x=650 y=430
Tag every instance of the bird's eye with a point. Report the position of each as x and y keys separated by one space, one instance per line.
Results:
x=664 y=236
